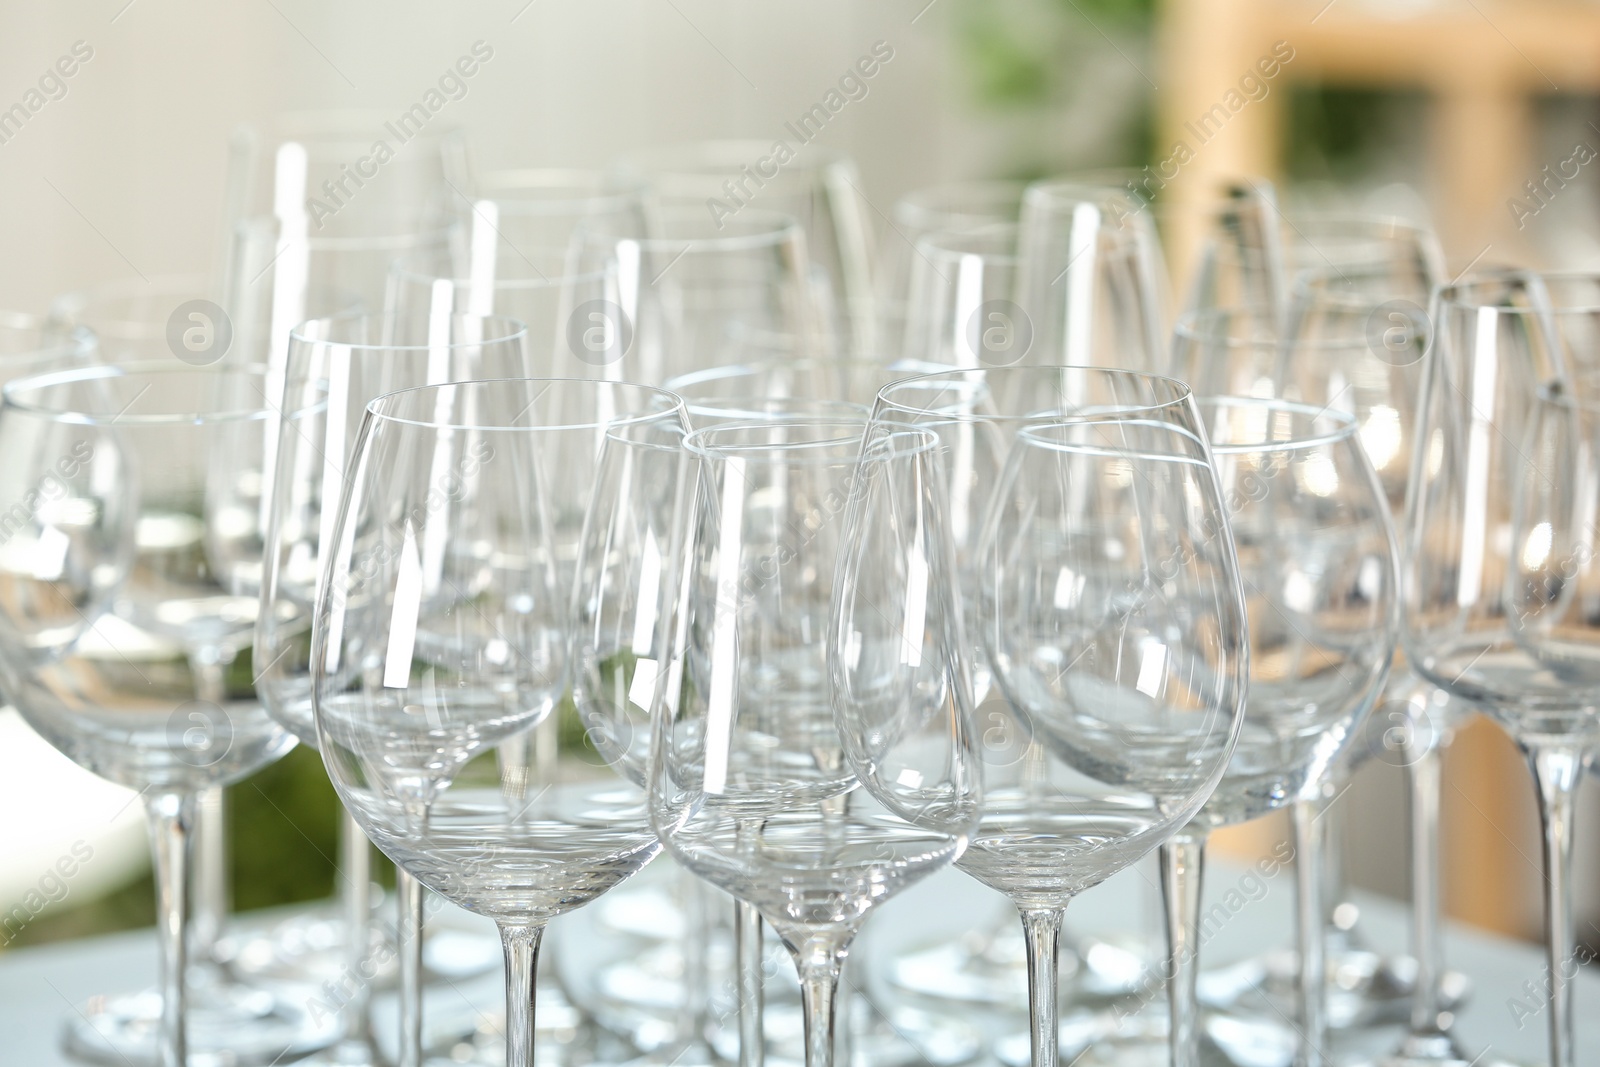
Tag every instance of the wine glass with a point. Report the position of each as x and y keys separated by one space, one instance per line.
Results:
x=446 y=626
x=693 y=294
x=938 y=212
x=146 y=696
x=1089 y=278
x=540 y=208
x=335 y=368
x=328 y=165
x=817 y=187
x=1486 y=615
x=1318 y=561
x=960 y=311
x=813 y=749
x=1046 y=833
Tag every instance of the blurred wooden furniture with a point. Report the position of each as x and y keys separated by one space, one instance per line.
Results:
x=1482 y=65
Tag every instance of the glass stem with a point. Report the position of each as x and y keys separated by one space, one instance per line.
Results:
x=747 y=952
x=521 y=944
x=409 y=938
x=1557 y=770
x=1422 y=775
x=209 y=908
x=171 y=828
x=355 y=893
x=1042 y=930
x=1308 y=841
x=818 y=957
x=1182 y=874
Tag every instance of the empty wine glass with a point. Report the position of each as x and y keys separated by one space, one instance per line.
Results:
x=938 y=212
x=145 y=696
x=696 y=293
x=817 y=187
x=1051 y=830
x=1489 y=572
x=335 y=368
x=813 y=750
x=960 y=311
x=445 y=627
x=1090 y=277
x=1318 y=562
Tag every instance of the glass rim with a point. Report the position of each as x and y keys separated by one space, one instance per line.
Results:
x=508 y=188
x=1452 y=295
x=939 y=243
x=820 y=450
x=732 y=371
x=515 y=329
x=14 y=389
x=403 y=273
x=780 y=228
x=263 y=223
x=673 y=407
x=74 y=339
x=711 y=157
x=1181 y=393
x=1346 y=429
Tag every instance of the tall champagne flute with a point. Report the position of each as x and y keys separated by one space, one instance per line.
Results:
x=445 y=626
x=813 y=749
x=335 y=368
x=1492 y=437
x=819 y=188
x=145 y=697
x=1051 y=829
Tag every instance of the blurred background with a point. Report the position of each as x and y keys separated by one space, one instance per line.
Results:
x=1475 y=116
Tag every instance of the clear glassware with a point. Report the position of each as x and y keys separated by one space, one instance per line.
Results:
x=446 y=627
x=328 y=163
x=1090 y=278
x=149 y=696
x=940 y=212
x=819 y=188
x=960 y=311
x=539 y=209
x=1488 y=617
x=1052 y=828
x=695 y=293
x=1317 y=557
x=335 y=368
x=813 y=749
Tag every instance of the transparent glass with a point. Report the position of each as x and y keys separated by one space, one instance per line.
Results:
x=1049 y=830
x=144 y=694
x=445 y=628
x=960 y=311
x=696 y=293
x=1495 y=538
x=813 y=751
x=1090 y=278
x=820 y=189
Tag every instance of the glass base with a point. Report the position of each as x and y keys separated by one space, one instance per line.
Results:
x=229 y=1025
x=306 y=947
x=990 y=968
x=1365 y=990
x=1433 y=1050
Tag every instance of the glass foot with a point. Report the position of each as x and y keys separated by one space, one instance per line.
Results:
x=1433 y=1050
x=307 y=947
x=230 y=1025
